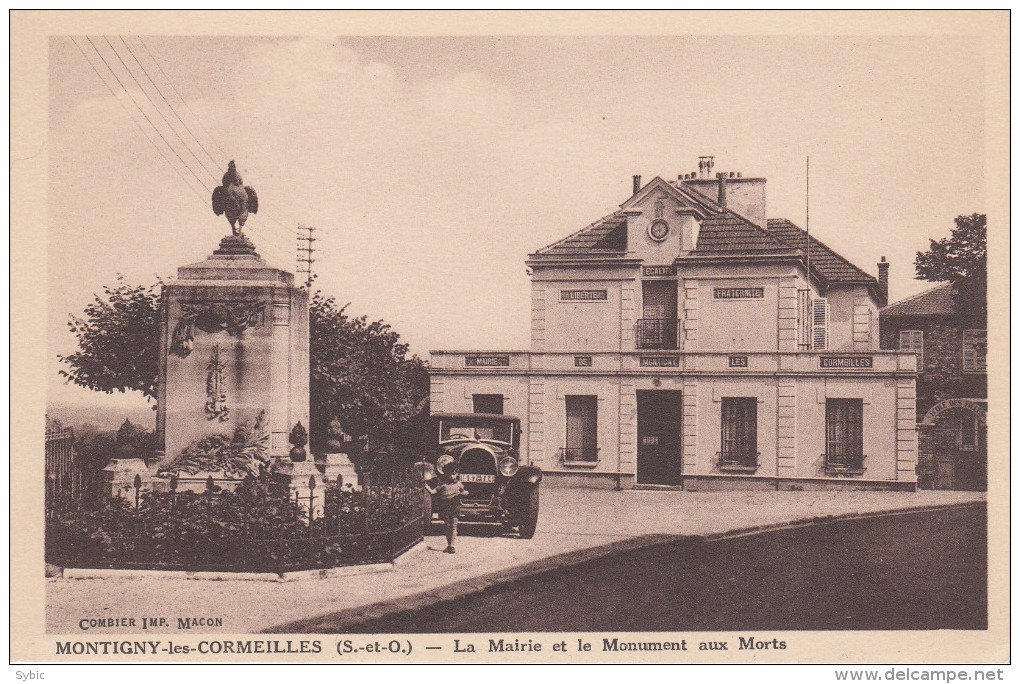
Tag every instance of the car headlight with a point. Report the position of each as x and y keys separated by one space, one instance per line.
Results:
x=508 y=466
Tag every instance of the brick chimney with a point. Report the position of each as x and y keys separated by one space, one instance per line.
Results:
x=637 y=184
x=705 y=165
x=883 y=278
x=745 y=196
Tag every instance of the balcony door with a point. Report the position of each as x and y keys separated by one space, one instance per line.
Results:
x=658 y=328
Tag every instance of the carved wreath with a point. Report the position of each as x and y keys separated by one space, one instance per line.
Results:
x=234 y=317
x=243 y=454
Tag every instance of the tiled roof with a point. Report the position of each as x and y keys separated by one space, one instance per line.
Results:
x=938 y=301
x=824 y=260
x=729 y=232
x=607 y=236
x=698 y=198
x=722 y=232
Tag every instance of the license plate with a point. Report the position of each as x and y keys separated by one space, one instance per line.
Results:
x=474 y=477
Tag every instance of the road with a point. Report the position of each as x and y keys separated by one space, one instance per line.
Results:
x=924 y=570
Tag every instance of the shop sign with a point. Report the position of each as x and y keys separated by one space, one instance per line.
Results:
x=845 y=362
x=659 y=361
x=582 y=361
x=583 y=296
x=977 y=407
x=658 y=271
x=486 y=360
x=739 y=293
x=738 y=362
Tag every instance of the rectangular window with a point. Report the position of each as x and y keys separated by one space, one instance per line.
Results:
x=967 y=437
x=844 y=435
x=487 y=403
x=975 y=348
x=739 y=433
x=912 y=341
x=582 y=428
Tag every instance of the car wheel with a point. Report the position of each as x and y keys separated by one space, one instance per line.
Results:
x=529 y=519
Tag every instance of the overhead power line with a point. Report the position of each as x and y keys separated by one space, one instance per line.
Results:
x=147 y=118
x=180 y=97
x=148 y=137
x=167 y=102
x=212 y=174
x=270 y=239
x=277 y=238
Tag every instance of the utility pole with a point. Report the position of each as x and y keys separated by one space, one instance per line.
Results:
x=305 y=250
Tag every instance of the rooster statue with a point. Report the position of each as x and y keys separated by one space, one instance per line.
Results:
x=234 y=199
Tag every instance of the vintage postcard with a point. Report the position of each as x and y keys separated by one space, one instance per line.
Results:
x=511 y=337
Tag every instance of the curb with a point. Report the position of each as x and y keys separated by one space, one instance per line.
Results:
x=53 y=572
x=459 y=590
x=344 y=620
x=825 y=519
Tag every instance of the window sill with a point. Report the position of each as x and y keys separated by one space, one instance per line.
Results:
x=839 y=470
x=581 y=464
x=734 y=468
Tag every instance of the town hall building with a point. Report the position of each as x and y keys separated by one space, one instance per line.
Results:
x=686 y=340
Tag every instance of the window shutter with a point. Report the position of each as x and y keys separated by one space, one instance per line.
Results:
x=820 y=323
x=804 y=319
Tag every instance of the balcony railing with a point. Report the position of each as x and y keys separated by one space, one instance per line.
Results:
x=585 y=456
x=738 y=461
x=844 y=464
x=658 y=333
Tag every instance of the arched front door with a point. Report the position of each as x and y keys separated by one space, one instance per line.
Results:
x=954 y=445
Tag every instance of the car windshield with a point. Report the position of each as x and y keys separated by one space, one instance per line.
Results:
x=452 y=429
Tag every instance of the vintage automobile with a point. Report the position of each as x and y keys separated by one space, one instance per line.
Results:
x=486 y=449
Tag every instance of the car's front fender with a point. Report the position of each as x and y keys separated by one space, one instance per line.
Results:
x=529 y=474
x=524 y=480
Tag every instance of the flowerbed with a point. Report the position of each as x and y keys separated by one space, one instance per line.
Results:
x=257 y=527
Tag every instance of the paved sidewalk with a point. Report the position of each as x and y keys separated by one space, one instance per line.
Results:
x=570 y=520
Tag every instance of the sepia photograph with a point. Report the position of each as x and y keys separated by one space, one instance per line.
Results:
x=510 y=337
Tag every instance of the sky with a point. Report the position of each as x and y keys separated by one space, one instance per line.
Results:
x=431 y=167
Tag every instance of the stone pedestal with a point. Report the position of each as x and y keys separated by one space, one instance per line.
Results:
x=119 y=478
x=299 y=476
x=198 y=483
x=234 y=353
x=339 y=465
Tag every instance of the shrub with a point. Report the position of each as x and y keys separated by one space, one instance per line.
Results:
x=257 y=527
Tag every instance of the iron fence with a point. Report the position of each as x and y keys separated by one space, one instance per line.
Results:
x=844 y=463
x=258 y=527
x=579 y=455
x=657 y=333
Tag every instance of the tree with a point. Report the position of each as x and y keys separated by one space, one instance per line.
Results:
x=961 y=259
x=132 y=441
x=118 y=340
x=361 y=374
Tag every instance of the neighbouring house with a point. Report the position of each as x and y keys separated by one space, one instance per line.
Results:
x=949 y=339
x=686 y=340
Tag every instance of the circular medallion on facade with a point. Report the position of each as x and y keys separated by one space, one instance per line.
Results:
x=658 y=230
